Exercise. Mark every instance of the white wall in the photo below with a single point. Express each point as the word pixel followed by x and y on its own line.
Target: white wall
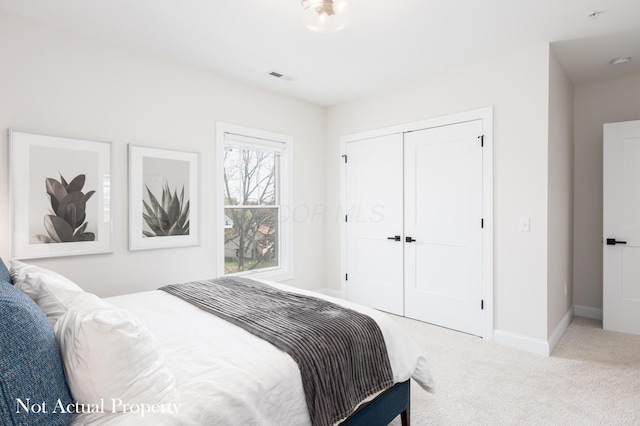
pixel 560 211
pixel 56 82
pixel 595 104
pixel 517 87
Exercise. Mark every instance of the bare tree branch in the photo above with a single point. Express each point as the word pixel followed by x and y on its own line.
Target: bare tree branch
pixel 253 175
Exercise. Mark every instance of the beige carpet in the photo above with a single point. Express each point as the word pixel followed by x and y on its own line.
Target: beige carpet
pixel 592 378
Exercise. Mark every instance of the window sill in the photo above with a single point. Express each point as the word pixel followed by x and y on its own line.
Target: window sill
pixel 275 274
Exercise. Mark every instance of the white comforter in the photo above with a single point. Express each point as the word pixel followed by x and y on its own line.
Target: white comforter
pixel 227 376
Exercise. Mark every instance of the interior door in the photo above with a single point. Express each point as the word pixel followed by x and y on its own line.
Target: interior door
pixel 374 223
pixel 443 226
pixel 621 239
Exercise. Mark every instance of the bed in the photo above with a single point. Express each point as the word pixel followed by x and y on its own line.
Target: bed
pixel 154 358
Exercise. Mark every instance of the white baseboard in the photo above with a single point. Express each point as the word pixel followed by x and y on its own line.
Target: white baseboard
pixel 521 342
pixel 587 312
pixel 560 329
pixel 531 344
pixel 330 292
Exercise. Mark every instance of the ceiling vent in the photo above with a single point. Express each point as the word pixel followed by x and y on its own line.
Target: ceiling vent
pixel 280 76
pixel 621 60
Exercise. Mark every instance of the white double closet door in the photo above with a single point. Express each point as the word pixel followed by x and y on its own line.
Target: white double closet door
pixel 414 225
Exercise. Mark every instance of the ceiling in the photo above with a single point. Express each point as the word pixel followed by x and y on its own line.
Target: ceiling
pixel 388 42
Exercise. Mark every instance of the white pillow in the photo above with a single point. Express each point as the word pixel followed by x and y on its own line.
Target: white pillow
pixel 108 354
pixel 53 293
pixel 24 277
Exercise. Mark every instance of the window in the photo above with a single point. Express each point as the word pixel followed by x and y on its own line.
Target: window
pixel 254 188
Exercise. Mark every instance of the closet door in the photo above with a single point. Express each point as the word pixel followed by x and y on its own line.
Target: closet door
pixel 374 223
pixel 443 213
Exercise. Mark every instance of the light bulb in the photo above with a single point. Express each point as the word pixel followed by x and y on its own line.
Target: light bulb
pixel 325 16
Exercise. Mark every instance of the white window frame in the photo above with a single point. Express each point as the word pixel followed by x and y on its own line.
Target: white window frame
pixel 248 136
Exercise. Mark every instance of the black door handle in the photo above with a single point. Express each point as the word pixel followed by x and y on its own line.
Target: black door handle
pixel 409 240
pixel 394 238
pixel 613 242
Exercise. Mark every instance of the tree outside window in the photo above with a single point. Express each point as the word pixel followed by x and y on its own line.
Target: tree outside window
pixel 252 210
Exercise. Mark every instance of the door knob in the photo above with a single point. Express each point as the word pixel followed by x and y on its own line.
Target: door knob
pixel 613 242
pixel 394 238
pixel 409 240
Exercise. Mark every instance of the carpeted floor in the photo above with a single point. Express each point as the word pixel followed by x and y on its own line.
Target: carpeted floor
pixel 591 378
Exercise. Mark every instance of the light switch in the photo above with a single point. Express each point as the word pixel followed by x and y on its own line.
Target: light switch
pixel 525 224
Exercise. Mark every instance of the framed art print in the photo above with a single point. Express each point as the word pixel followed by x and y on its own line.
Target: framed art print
pixel 60 195
pixel 163 198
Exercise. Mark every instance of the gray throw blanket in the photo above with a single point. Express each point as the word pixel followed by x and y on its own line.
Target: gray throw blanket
pixel 341 353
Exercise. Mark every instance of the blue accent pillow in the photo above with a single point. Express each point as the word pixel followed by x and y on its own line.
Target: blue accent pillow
pixel 4 273
pixel 33 390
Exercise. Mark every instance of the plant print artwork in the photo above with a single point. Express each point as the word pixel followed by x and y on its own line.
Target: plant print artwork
pixel 168 217
pixel 66 219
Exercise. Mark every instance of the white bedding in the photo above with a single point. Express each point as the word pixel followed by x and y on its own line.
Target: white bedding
pixel 227 376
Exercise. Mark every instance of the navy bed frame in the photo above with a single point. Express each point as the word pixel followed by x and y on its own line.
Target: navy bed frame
pixel 384 408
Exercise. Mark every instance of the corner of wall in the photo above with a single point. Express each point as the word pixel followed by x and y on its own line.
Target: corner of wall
pixel 559 194
pixel 533 345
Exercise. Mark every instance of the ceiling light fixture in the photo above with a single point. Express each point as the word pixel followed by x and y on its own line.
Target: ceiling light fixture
pixel 325 16
pixel 620 60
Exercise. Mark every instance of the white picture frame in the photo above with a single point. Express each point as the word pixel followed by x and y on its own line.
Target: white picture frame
pixel 154 172
pixel 60 195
